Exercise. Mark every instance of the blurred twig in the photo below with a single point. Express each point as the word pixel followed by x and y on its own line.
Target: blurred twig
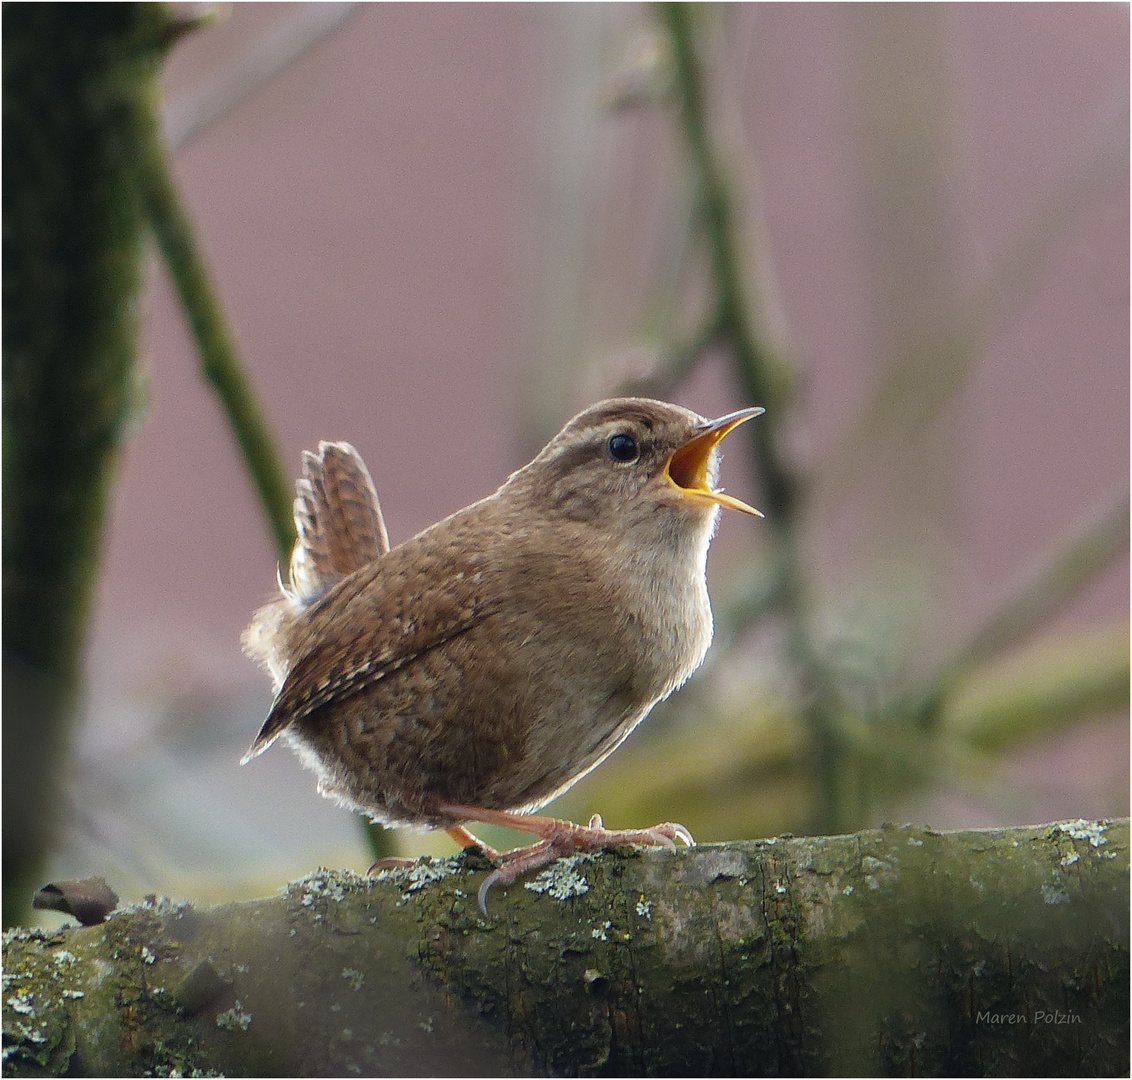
pixel 222 368
pixel 754 360
pixel 184 119
pixel 1056 580
pixel 220 362
pixel 187 115
pixel 758 370
pixel 936 364
pixel 839 729
pixel 1050 685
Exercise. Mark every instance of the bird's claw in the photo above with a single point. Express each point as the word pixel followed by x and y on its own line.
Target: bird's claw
pixel 494 878
pixel 667 833
pixel 561 838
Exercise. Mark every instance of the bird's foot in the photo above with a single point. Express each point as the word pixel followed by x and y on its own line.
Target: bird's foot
pixel 557 838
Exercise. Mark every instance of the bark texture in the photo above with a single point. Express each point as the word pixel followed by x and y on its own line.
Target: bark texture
pixel 80 93
pixel 894 952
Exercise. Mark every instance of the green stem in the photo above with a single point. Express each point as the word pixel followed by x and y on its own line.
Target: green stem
pixel 220 362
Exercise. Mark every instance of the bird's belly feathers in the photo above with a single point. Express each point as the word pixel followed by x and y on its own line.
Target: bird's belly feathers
pixel 499 720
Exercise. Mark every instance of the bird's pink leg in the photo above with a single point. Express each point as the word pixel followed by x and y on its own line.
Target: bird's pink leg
pixel 556 839
pixel 468 839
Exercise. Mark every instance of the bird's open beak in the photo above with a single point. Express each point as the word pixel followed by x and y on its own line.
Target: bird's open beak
pixel 687 468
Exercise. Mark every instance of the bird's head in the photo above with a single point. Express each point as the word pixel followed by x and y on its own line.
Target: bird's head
pixel 627 460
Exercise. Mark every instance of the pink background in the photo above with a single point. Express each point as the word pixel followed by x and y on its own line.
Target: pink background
pixel 378 219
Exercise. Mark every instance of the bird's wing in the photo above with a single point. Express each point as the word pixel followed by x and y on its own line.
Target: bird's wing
pixel 338 520
pixel 378 620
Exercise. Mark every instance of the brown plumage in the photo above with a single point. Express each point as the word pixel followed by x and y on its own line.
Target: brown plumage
pixel 482 667
pixel 338 520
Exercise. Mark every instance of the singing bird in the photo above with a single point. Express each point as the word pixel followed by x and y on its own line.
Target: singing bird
pixel 478 670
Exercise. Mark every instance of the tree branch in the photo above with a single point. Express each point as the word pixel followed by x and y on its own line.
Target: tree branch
pixel 889 952
pixel 79 89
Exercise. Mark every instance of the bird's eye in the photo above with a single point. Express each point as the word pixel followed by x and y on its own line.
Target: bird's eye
pixel 623 447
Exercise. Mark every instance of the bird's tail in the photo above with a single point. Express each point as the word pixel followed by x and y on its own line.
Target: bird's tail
pixel 340 529
pixel 338 519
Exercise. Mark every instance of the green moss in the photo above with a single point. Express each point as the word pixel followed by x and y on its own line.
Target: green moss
pixel 80 94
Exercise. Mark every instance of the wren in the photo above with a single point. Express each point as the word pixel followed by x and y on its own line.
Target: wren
pixel 481 668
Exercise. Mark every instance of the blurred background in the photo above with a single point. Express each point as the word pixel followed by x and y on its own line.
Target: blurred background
pixel 440 230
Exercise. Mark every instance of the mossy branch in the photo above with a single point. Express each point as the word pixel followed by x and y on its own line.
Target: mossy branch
pixel 80 90
pixel 891 952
